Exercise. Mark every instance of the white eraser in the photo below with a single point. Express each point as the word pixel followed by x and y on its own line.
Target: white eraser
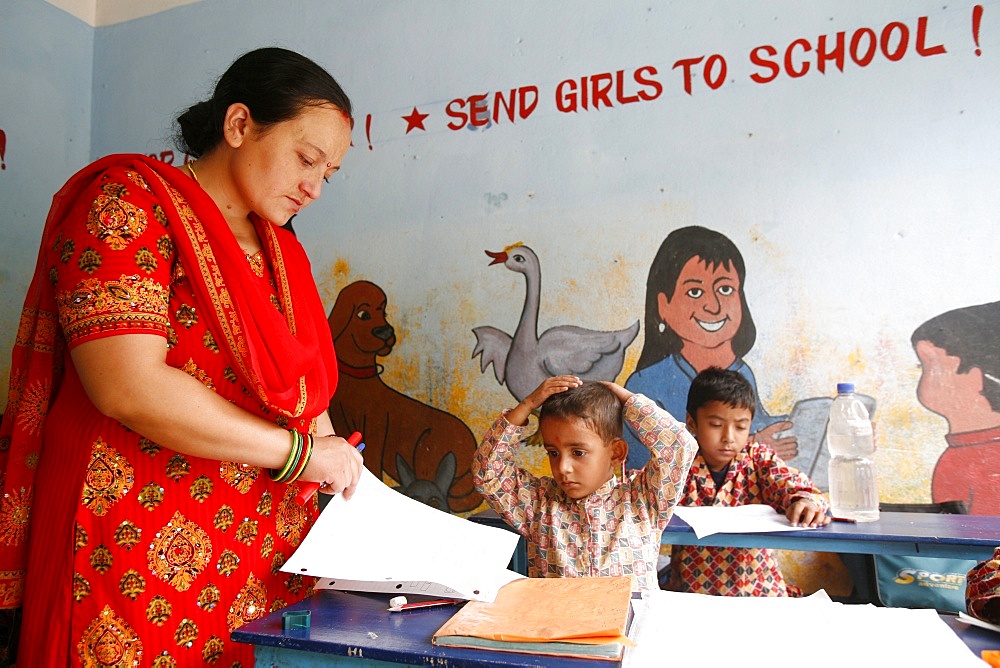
pixel 397 601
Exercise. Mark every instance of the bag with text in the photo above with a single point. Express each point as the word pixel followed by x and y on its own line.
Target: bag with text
pixel 922 582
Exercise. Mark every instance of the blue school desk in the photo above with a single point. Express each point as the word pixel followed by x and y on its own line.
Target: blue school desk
pixel 924 534
pixel 975 638
pixel 914 534
pixel 354 628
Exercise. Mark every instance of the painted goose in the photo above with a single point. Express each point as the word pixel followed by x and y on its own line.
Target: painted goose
pixel 523 361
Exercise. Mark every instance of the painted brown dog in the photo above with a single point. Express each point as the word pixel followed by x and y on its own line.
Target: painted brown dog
pixel 394 427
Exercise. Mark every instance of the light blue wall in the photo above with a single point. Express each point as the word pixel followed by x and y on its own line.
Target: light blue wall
pixel 864 201
pixel 45 96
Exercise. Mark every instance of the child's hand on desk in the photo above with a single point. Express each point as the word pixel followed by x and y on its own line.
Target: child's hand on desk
pixel 806 513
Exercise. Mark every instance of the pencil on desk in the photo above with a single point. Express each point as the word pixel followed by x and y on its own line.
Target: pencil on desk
pixel 844 519
pixel 399 603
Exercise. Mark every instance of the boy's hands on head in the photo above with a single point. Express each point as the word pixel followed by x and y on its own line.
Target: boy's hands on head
pixel 549 386
pixel 620 392
pixel 806 513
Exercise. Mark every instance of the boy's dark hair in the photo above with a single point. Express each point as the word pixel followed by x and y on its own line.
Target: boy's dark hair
pixel 594 403
pixel 725 385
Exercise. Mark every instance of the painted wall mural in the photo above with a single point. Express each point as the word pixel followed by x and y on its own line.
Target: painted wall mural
pixel 697 315
pixel 828 160
pixel 524 360
pixel 960 381
pixel 424 451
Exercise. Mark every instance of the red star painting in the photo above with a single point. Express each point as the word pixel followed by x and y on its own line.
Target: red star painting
pixel 415 120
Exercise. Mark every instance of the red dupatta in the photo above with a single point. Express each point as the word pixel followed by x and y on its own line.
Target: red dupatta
pixel 285 359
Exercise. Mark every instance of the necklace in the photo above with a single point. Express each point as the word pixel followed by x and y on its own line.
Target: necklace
pixel 256 261
pixel 191 169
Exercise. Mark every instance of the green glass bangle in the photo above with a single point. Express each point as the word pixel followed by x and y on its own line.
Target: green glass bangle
pixel 293 457
pixel 307 451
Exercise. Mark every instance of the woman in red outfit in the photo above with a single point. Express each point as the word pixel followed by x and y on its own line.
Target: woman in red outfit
pixel 169 386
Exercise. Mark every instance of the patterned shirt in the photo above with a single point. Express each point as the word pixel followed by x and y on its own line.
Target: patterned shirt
pixel 614 531
pixel 982 589
pixel 756 475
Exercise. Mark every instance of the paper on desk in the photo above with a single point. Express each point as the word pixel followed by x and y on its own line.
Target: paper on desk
pixel 830 635
pixel 975 621
pixel 753 518
pixel 381 540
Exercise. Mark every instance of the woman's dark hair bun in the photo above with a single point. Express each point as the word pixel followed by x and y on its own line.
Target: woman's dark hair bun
pixel 198 130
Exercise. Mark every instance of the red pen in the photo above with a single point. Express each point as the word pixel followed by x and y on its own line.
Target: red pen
pixel 310 488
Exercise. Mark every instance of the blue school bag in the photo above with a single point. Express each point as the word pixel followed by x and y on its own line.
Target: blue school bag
pixel 922 582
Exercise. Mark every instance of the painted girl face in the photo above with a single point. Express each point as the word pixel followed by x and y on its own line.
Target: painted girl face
pixel 706 309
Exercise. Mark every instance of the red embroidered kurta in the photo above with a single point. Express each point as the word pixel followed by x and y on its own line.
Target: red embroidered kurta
pixel 140 555
pixel 756 475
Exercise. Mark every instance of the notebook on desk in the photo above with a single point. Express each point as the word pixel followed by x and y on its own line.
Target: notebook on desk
pixel 573 617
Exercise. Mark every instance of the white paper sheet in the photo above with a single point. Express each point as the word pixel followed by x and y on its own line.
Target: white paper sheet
pixel 688 629
pixel 753 518
pixel 381 540
pixel 975 621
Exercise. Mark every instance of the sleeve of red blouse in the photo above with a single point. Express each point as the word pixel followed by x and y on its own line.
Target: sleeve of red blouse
pixel 781 484
pixel 112 260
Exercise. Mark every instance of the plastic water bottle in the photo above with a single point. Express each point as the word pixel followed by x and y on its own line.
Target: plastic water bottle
pixel 853 484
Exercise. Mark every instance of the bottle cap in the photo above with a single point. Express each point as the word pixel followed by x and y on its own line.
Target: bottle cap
pixel 843 388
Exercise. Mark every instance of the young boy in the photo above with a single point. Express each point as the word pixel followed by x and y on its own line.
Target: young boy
pixel 582 521
pixel 732 470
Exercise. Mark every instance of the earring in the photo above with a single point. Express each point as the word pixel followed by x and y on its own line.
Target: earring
pixel 662 327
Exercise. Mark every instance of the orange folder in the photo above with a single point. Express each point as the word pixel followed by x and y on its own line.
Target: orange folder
pixel 530 612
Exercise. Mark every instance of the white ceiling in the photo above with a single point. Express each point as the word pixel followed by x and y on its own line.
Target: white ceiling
pixel 107 12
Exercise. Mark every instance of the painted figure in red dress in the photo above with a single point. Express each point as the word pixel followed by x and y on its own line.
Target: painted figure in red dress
pixel 960 381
